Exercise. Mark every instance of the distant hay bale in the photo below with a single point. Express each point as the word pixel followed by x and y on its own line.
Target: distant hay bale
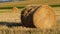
pixel 15 9
pixel 42 17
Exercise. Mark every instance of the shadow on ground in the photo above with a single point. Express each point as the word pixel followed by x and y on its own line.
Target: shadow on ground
pixel 10 24
pixel 13 24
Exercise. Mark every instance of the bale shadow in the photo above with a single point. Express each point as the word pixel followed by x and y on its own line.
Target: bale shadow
pixel 10 24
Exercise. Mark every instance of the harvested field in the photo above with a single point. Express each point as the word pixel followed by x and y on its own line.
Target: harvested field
pixel 9 17
pixel 4 29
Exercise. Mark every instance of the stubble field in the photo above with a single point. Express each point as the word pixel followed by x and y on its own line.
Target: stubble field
pixel 11 24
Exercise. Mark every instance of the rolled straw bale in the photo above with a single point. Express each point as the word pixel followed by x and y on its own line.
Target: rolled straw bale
pixel 42 17
pixel 15 9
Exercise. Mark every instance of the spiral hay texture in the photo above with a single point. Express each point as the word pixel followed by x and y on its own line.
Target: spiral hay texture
pixel 42 17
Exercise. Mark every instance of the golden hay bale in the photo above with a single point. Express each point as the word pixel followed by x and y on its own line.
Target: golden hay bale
pixel 42 17
pixel 15 9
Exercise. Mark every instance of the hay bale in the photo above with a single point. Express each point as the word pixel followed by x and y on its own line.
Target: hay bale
pixel 15 9
pixel 26 16
pixel 45 18
pixel 42 17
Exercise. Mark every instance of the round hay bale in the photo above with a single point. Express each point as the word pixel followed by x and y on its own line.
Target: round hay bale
pixel 42 17
pixel 15 9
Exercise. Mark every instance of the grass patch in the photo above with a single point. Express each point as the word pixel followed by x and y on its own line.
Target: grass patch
pixel 55 5
pixel 8 7
pixel 20 7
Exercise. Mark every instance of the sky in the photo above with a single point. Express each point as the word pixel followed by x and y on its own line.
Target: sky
pixel 4 0
pixel 10 0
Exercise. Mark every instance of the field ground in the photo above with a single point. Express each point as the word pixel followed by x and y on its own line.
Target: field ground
pixel 4 29
pixel 8 18
pixel 23 3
